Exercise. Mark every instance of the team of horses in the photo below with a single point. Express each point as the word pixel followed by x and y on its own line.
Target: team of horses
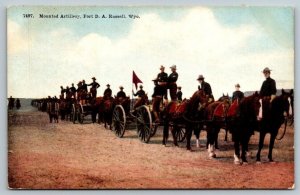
pixel 239 117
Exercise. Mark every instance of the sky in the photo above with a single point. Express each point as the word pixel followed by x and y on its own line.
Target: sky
pixel 227 45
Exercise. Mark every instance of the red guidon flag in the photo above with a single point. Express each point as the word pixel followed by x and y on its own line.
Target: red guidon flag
pixel 135 79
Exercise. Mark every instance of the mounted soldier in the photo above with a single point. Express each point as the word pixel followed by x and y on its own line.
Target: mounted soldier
pixel 73 91
pixel 206 88
pixel 237 94
pixel 179 94
pixel 140 93
pixel 172 83
pixel 121 94
pixel 94 87
pixel 267 93
pixel 62 92
pixel 107 93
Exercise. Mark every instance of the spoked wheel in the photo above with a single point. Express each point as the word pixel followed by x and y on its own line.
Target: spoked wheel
pixel 119 121
pixel 181 134
pixel 80 114
pixel 154 129
pixel 282 130
pixel 73 114
pixel 144 124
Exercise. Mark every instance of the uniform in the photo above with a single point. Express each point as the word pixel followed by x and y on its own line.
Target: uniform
pixel 179 95
pixel 206 88
pixel 172 85
pixel 121 94
pixel 107 93
pixel 162 79
pixel 237 95
pixel 158 93
pixel 140 93
pixel 93 89
pixel 268 87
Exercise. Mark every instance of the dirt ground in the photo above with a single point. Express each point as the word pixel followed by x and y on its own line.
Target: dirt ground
pixel 87 156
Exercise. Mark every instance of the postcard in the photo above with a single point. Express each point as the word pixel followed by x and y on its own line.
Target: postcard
pixel 150 97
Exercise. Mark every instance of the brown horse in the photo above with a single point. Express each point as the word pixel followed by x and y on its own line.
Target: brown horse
pixel 185 113
pixel 241 122
pixel 274 114
pixel 105 111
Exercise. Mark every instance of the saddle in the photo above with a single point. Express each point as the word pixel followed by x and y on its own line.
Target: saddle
pixel 232 111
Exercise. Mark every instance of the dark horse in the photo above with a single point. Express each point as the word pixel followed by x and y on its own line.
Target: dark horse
pixel 273 117
pixel 241 122
pixel 184 113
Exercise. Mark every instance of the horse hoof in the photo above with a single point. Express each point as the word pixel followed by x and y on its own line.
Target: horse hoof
pixel 189 148
pixel 245 163
pixel 237 162
pixel 258 162
pixel 212 155
pixel 272 161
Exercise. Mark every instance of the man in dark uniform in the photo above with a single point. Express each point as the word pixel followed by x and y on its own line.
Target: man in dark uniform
pixel 79 90
pixel 267 92
pixel 73 91
pixel 268 88
pixel 172 83
pixel 84 86
pixel 62 92
pixel 206 88
pixel 162 79
pixel 179 94
pixel 121 93
pixel 140 93
pixel 237 94
pixel 107 92
pixel 156 99
pixel 68 93
pixel 94 87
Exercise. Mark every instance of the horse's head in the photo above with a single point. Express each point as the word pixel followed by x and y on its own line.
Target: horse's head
pixel 197 102
pixel 225 99
pixel 281 103
pixel 249 106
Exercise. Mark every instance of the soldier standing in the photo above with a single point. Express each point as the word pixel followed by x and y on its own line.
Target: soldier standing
pixel 121 94
pixel 140 93
pixel 162 79
pixel 172 83
pixel 156 99
pixel 94 87
pixel 73 90
pixel 62 92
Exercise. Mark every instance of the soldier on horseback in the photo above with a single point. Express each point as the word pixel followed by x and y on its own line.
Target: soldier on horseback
pixel 267 92
pixel 179 94
pixel 237 94
pixel 107 92
pixel 172 83
pixel 94 87
pixel 62 92
pixel 73 91
pixel 121 94
pixel 206 88
pixel 140 93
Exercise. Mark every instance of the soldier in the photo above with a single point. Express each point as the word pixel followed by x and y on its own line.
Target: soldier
pixel 94 87
pixel 68 92
pixel 62 92
pixel 73 91
pixel 268 88
pixel 172 83
pixel 18 104
pixel 84 87
pixel 79 90
pixel 179 94
pixel 107 92
pixel 140 93
pixel 206 88
pixel 156 99
pixel 267 92
pixel 162 79
pixel 121 94
pixel 237 94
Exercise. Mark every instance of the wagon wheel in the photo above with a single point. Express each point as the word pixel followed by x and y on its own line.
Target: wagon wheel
pixel 282 130
pixel 181 134
pixel 154 129
pixel 80 114
pixel 73 114
pixel 144 123
pixel 119 121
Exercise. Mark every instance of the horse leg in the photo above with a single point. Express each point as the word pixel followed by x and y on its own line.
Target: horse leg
pixel 260 145
pixel 165 132
pixel 197 134
pixel 271 145
pixel 188 136
pixel 211 142
pixel 216 138
pixel 174 134
pixel 244 148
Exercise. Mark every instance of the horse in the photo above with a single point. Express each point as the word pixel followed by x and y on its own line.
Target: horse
pixel 274 114
pixel 241 122
pixel 105 111
pixel 184 113
pixel 53 110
